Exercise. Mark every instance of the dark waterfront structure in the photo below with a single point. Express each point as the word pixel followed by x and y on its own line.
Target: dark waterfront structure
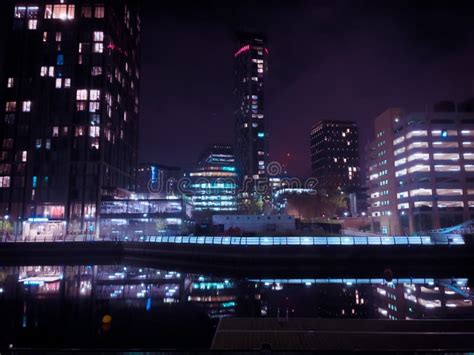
pixel 335 154
pixel 69 134
pixel 250 66
pixel 214 181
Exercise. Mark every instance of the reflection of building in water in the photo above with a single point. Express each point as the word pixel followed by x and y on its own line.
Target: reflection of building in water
pixel 219 298
pixel 131 286
pixel 144 289
pixel 411 301
pixel 304 298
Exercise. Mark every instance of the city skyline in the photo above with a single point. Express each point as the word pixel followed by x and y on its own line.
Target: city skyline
pixel 411 71
pixel 349 69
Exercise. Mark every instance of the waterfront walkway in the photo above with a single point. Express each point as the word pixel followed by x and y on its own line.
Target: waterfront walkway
pixel 345 240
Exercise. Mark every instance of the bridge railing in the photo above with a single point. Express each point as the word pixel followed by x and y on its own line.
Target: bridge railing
pixel 259 241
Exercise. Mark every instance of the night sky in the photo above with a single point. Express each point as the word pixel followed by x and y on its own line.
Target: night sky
pixel 346 60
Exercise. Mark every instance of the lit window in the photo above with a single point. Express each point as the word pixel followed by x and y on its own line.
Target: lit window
pixel 399 151
pixel 58 36
pixel 81 106
pixel 401 172
pixel 81 94
pixel 469 168
pixel 419 168
pixel 95 143
pixel 94 106
pixel 450 204
pixel 60 12
pixel 26 106
pixel 94 95
pixel 445 144
pixel 449 192
pixel 402 206
pixel 443 133
pixel 99 11
pixel 419 156
pixel 10 82
pixel 261 135
pixel 98 36
pixel 98 48
pixel 4 181
pixel 38 143
pixel 67 82
pixel 398 140
pixel 45 36
pixel 447 168
pixel 417 145
pixel 59 83
pixel 44 71
pixel 468 156
pixel 51 72
pixel 32 24
pixel 466 132
pixel 94 131
pixel 48 11
pixel 403 194
pixel 79 131
pixel 24 156
pixel 446 156
pixel 20 12
pixel 400 161
pixel 55 131
pixel 420 192
pixel 47 144
pixel 10 106
pixel 420 204
pixel 417 133
pixel 96 71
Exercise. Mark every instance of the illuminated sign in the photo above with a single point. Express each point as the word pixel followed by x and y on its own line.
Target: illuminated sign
pixel 38 219
pixel 241 50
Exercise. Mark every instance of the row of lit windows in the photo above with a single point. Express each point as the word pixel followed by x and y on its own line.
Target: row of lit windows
pixel 440 204
pixel 438 168
pixel 429 192
pixel 434 133
pixel 10 106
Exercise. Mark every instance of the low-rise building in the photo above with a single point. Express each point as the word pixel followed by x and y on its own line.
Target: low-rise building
pixel 254 223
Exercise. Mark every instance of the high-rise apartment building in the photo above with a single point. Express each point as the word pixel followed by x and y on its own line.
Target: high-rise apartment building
pixel 421 170
pixel 250 66
pixel 335 155
pixel 69 129
pixel 214 181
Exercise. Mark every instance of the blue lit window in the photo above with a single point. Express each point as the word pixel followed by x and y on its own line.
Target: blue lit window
pixel 261 135
pixel 444 133
pixel 35 181
pixel 60 59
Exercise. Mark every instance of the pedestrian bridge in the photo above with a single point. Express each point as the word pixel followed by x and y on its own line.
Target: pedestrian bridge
pixel 304 240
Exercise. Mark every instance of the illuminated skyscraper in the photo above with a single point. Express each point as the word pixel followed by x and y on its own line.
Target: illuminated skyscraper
pixel 335 154
pixel 250 66
pixel 421 170
pixel 69 129
pixel 214 180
